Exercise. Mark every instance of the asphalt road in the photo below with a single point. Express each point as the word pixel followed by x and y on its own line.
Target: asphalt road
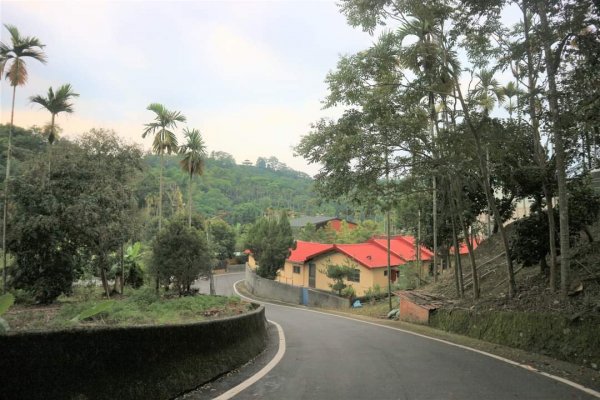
pixel 328 357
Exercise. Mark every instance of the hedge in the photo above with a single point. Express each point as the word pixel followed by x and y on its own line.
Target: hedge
pixel 143 362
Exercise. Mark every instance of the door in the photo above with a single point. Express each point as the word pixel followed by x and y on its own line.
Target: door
pixel 312 272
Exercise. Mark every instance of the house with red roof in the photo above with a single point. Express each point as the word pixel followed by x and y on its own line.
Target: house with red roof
pixel 307 264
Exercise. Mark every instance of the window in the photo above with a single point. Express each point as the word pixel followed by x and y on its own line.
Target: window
pixel 354 277
pixel 296 269
pixel 385 272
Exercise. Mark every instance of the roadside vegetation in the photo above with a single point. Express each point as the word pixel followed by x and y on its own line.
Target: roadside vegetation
pixel 86 308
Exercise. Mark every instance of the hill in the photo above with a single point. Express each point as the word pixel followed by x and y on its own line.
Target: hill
pixel 237 193
pixel 533 294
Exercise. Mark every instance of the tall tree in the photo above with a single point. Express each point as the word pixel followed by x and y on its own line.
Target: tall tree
pixel 55 103
pixel 165 140
pixel 194 155
pixel 12 58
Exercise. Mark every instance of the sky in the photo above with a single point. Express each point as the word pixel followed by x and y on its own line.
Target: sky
pixel 248 74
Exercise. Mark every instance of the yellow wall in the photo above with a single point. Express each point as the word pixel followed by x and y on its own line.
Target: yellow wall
pixel 286 274
pixel 251 262
pixel 368 277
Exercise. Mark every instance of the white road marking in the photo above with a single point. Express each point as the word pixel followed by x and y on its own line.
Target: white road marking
pixel 260 374
pixel 506 360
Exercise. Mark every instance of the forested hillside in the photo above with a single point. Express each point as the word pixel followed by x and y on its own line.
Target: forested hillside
pixel 236 193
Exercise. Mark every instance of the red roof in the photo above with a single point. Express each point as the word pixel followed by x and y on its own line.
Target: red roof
pixel 463 249
pixel 403 246
pixel 369 254
pixel 307 250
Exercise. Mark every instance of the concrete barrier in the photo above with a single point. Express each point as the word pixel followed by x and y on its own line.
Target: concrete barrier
pixel 573 340
pixel 269 289
pixel 142 362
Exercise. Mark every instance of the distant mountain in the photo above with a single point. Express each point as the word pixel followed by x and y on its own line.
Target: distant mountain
pixel 240 193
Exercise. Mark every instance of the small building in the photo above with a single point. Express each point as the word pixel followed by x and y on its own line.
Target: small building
pixel 416 306
pixel 321 222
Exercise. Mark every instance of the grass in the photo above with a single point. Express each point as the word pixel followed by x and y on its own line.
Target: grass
pixel 377 309
pixel 136 307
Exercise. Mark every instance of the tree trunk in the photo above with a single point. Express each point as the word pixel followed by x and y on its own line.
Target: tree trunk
pixel 457 269
pixel 190 202
pixel 539 151
pixel 160 191
pixel 559 150
pixel 211 277
pixel 512 287
pixel 475 277
pixel 588 233
pixel 389 268
pixel 104 280
pixel 6 179
pixel 418 247
pixel 122 268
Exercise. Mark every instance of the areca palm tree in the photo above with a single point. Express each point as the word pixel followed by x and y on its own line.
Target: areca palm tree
pixel 12 59
pixel 55 103
pixel 165 140
pixel 194 154
pixel 512 90
pixel 488 91
pixel 425 57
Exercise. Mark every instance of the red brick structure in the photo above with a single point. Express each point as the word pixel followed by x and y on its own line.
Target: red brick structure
pixel 416 306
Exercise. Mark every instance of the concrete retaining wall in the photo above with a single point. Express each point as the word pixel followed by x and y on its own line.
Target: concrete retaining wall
pixel 144 362
pixel 557 336
pixel 269 289
pixel 326 300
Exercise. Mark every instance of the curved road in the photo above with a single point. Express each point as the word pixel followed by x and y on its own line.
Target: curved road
pixel 329 357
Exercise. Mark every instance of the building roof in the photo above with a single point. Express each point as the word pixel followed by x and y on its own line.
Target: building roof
pixel 463 249
pixel 403 246
pixel 307 250
pixel 369 254
pixel 302 221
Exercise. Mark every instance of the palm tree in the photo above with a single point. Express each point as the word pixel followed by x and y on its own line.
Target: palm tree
pixel 426 58
pixel 164 140
pixel 512 90
pixel 55 103
pixel 487 91
pixel 12 58
pixel 194 153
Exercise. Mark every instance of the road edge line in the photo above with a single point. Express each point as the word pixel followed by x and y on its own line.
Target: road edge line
pixel 264 371
pixel 497 357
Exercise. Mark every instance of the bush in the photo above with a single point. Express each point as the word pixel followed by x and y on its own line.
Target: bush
pixel 179 254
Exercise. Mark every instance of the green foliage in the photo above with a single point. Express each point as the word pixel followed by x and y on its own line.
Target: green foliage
pixel 373 293
pixel 237 193
pixel 222 239
pixel 77 215
pixel 531 243
pixel 270 239
pixel 97 309
pixel 179 254
pixel 348 291
pixel 361 233
pixel 338 273
pixel 6 301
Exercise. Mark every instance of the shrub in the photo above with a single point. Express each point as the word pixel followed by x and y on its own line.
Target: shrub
pixel 179 254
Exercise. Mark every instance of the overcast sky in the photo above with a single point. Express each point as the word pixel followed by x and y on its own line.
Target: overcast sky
pixel 248 74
